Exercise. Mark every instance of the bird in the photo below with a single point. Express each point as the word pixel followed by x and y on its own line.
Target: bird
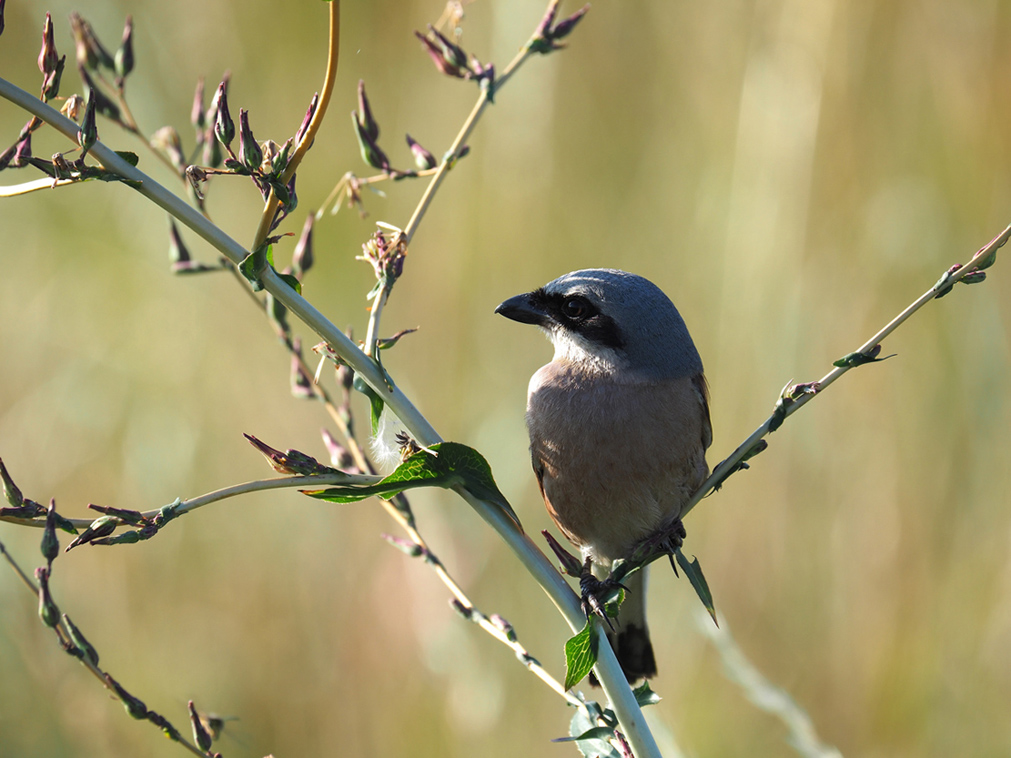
pixel 619 426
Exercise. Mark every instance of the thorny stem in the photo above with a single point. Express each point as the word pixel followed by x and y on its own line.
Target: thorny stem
pixel 720 473
pixel 333 53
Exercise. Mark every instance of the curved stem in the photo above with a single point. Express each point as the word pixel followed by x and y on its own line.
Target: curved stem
pixel 333 54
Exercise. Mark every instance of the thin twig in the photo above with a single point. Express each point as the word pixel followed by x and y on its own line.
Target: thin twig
pixel 257 485
pixel 333 54
pixel 726 466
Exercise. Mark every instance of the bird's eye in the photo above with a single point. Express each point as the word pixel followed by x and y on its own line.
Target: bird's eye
pixel 576 308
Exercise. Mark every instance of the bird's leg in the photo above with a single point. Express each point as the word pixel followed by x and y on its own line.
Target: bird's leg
pixel 595 592
pixel 666 540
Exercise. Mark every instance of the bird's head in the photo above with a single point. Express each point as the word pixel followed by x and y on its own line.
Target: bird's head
pixel 610 321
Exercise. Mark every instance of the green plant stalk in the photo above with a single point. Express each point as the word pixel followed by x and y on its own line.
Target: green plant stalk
pixel 333 55
pixel 433 186
pixel 609 673
pixel 257 485
pixel 465 131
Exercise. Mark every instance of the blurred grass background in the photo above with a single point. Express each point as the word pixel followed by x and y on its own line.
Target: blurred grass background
pixel 792 173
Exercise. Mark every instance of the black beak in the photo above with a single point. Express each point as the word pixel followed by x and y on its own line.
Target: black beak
pixel 523 309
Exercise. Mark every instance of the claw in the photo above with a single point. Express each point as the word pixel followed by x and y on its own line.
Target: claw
pixel 590 587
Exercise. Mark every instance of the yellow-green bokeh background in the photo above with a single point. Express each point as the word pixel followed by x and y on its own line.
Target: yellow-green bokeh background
pixel 792 173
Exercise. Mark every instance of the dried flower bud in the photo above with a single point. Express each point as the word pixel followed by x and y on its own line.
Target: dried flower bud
pixel 179 254
pixel 48 611
pixel 973 277
pixel 366 121
pixel 439 59
pixel 306 119
pixel 339 455
pixel 99 528
pixel 290 203
pixel 197 115
pixel 249 150
pixel 503 625
pixel 133 705
pixel 212 156
pixel 50 63
pixel 50 542
pixel 453 54
pixel 167 140
pixel 422 158
pixel 51 83
pixel 301 383
pixel 87 650
pixel 22 152
pixel 72 107
pixel 372 154
pixel 124 55
pixel 224 127
pixel 548 33
pixel 200 735
pixel 48 56
pixel 90 52
pixel 88 135
pixel 408 547
pixel 302 258
pixel 564 28
pixel 544 27
pixel 279 160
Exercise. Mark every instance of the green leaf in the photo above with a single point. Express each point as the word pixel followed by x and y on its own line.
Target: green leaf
pixel 375 401
pixel 580 655
pixel 644 695
pixel 694 573
pixel 375 409
pixel 129 157
pixel 446 464
pixel 254 264
pixel 596 733
pixel 591 737
pixel 291 281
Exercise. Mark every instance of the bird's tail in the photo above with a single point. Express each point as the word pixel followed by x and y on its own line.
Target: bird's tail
pixel 630 639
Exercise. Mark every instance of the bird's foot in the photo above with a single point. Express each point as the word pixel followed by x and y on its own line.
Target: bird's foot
pixel 597 593
pixel 666 540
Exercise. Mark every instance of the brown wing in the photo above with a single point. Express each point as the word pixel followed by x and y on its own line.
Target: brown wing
pixel 702 387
